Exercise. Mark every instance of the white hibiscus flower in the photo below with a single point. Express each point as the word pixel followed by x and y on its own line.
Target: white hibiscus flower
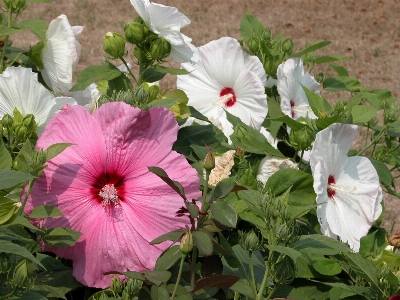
pixel 271 164
pixel 291 76
pixel 348 190
pixel 167 22
pixel 61 54
pixel 226 78
pixel 19 88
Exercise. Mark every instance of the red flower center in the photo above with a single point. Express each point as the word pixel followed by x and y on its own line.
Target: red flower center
pixel 292 107
pixel 330 190
pixel 229 93
pixel 108 189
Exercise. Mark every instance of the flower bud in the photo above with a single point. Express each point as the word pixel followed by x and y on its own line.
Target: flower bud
pixel 142 55
pixel 135 32
pixel 302 138
pixel 29 121
pixel 141 94
pixel 287 46
pixel 310 58
pixel 250 241
pixel 266 34
pixel 116 285
pixel 21 132
pixel 21 274
pixel 133 287
pixel 160 48
pixel 193 210
pixel 154 91
pixel 209 160
pixel 15 5
pixel 7 121
pixel 253 43
pixel 114 44
pixel 186 245
pixel 392 115
pixel 284 271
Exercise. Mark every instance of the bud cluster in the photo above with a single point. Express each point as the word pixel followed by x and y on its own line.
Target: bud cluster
pixel 15 6
pixel 19 128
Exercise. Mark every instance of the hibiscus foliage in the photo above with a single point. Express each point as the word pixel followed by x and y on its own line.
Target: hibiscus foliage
pixel 243 183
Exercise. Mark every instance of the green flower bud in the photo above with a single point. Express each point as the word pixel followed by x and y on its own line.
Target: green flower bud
pixel 250 241
pixel 114 44
pixel 135 32
pixel 22 272
pixel 29 121
pixel 154 92
pixel 302 138
pixel 142 55
pixel 160 48
pixel 21 132
pixel 193 210
pixel 266 34
pixel 392 115
pixel 116 285
pixel 309 58
pixel 133 286
pixel 141 94
pixel 186 245
pixel 15 5
pixel 287 46
pixel 284 271
pixel 7 121
pixel 254 44
pixel 270 65
pixel 209 160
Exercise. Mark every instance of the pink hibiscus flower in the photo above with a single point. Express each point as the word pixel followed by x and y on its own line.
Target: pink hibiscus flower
pixel 103 187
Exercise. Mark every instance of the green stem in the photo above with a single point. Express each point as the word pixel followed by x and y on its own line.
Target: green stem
pixel 129 70
pixel 272 292
pixel 253 278
pixel 15 59
pixel 3 53
pixel 204 206
pixel 27 195
pixel 179 277
pixel 193 268
pixel 264 282
pixel 374 141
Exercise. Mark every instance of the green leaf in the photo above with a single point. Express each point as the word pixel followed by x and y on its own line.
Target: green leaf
pixel 4 30
pixel 340 83
pixel 224 213
pixel 385 176
pixel 55 283
pixel 311 48
pixel 11 248
pixel 242 287
pixel 8 210
pixel 5 157
pixel 326 59
pixel 373 243
pixel 169 236
pixel 55 149
pixel 157 277
pixel 290 122
pixel 10 178
pixel 130 274
pixel 95 73
pixel 168 258
pixel 302 289
pixel 319 244
pixel 171 71
pixel 341 71
pixel 326 266
pixel 293 254
pixel 250 27
pixel 284 179
pixel 159 293
pixel 318 104
pixel 175 185
pixel 222 281
pixel 36 50
pixel 44 211
pixel 250 139
pixel 151 75
pixel 223 189
pixel 120 83
pixel 363 267
pixel 38 27
pixel 362 113
pixel 341 290
pixel 50 263
pixel 62 237
pixel 24 222
pixel 29 295
pixel 203 241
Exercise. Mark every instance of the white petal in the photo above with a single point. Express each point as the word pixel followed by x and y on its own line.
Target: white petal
pixel 270 138
pixel 87 97
pixel 166 18
pixel 141 7
pixel 184 53
pixel 254 64
pixel 270 164
pixel 57 60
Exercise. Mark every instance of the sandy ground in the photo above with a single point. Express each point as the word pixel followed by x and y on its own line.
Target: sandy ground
pixel 367 32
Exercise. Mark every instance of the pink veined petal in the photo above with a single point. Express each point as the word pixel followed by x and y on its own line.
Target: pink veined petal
pixel 57 61
pixel 333 144
pixel 251 100
pixel 141 7
pixel 223 60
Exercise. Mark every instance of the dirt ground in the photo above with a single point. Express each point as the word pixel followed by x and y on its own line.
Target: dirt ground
pixel 367 32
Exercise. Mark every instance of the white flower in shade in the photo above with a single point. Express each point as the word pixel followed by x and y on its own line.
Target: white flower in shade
pixel 226 78
pixel 271 164
pixel 348 190
pixel 223 167
pixel 61 54
pixel 166 22
pixel 291 76
pixel 88 97
pixel 19 88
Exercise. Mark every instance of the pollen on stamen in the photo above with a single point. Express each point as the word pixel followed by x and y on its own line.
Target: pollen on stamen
pixel 109 195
